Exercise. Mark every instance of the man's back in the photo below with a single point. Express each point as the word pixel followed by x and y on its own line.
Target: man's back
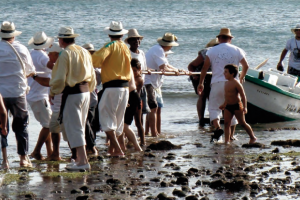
pixel 114 60
pixel 12 78
pixel 221 55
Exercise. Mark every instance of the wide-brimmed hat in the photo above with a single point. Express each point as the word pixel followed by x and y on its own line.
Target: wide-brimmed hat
pixel 89 47
pixel 66 32
pixel 296 28
pixel 115 28
pixel 226 32
pixel 169 39
pixel 133 33
pixel 40 41
pixel 212 43
pixel 8 30
pixel 54 48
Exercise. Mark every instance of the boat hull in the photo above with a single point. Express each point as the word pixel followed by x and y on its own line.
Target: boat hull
pixel 268 103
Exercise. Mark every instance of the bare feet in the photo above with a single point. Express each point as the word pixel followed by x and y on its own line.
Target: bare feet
pixel 37 156
pixel 93 151
pixel 5 165
pixel 252 140
pixel 233 138
pixel 25 162
pixel 155 135
pixel 120 154
pixel 53 158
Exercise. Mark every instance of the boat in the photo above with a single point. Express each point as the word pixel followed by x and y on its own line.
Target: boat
pixel 272 96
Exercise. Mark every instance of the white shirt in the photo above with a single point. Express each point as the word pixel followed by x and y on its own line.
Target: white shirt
pixel 221 55
pixel 293 45
pixel 13 82
pixel 38 92
pixel 142 58
pixel 155 57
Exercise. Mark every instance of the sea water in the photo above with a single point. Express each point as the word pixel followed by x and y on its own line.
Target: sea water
pixel 260 28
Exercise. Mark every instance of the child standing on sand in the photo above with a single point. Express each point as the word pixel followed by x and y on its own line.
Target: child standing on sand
pixel 233 105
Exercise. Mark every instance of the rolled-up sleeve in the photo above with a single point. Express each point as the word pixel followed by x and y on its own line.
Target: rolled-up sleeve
pixel 59 74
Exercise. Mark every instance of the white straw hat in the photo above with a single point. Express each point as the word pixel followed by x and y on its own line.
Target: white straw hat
pixel 66 32
pixel 212 43
pixel 296 28
pixel 169 39
pixel 115 28
pixel 8 30
pixel 40 41
pixel 89 47
pixel 54 48
pixel 133 33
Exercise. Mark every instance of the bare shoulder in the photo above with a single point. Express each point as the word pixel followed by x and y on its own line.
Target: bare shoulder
pixel 139 80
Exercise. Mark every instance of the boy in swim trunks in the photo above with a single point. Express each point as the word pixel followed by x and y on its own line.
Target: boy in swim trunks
pixel 233 105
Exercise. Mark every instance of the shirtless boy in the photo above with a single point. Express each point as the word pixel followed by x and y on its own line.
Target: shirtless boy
pixel 134 103
pixel 233 105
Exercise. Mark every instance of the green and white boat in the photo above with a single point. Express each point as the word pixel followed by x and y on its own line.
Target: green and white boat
pixel 272 96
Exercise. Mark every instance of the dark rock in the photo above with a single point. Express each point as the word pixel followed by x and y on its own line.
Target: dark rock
pixel 237 185
pixel 193 170
pixel 156 179
pixel 191 197
pixel 228 175
pixel 274 170
pixel 198 182
pixel 176 168
pixel 249 169
pixel 178 174
pixel 164 184
pixel 276 157
pixel 170 157
pixel 295 143
pixel 23 170
pixel 150 198
pixel 30 196
pixel 82 197
pixel 276 150
pixel 287 173
pixel 204 198
pixel 254 145
pixel 83 188
pixel 163 196
pixel 182 181
pixel 113 181
pixel 178 193
pixel 294 163
pixel 217 175
pixel 218 184
pixel 148 150
pixel 163 145
pixel 74 191
pixel 254 185
pixel 189 156
pixel 245 198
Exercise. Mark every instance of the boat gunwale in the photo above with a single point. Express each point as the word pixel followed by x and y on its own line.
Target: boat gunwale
pixel 267 85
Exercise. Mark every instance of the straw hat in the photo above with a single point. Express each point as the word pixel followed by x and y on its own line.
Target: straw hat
pixel 89 47
pixel 168 39
pixel 212 43
pixel 133 33
pixel 54 48
pixel 40 41
pixel 66 32
pixel 226 32
pixel 115 28
pixel 8 30
pixel 296 28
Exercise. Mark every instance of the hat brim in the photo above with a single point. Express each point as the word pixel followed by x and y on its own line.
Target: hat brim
pixel 10 35
pixel 293 30
pixel 126 40
pixel 69 36
pixel 225 35
pixel 168 44
pixel 43 46
pixel 109 32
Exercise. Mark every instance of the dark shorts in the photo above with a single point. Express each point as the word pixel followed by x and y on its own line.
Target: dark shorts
pixel 207 81
pixel 234 107
pixel 294 71
pixel 152 103
pixel 134 102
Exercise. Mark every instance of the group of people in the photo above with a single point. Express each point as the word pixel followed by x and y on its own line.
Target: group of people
pixel 60 88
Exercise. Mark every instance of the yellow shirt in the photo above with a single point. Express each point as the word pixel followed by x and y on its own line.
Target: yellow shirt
pixel 114 60
pixel 74 65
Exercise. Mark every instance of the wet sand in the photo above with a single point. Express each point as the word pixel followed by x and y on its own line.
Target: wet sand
pixel 197 170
